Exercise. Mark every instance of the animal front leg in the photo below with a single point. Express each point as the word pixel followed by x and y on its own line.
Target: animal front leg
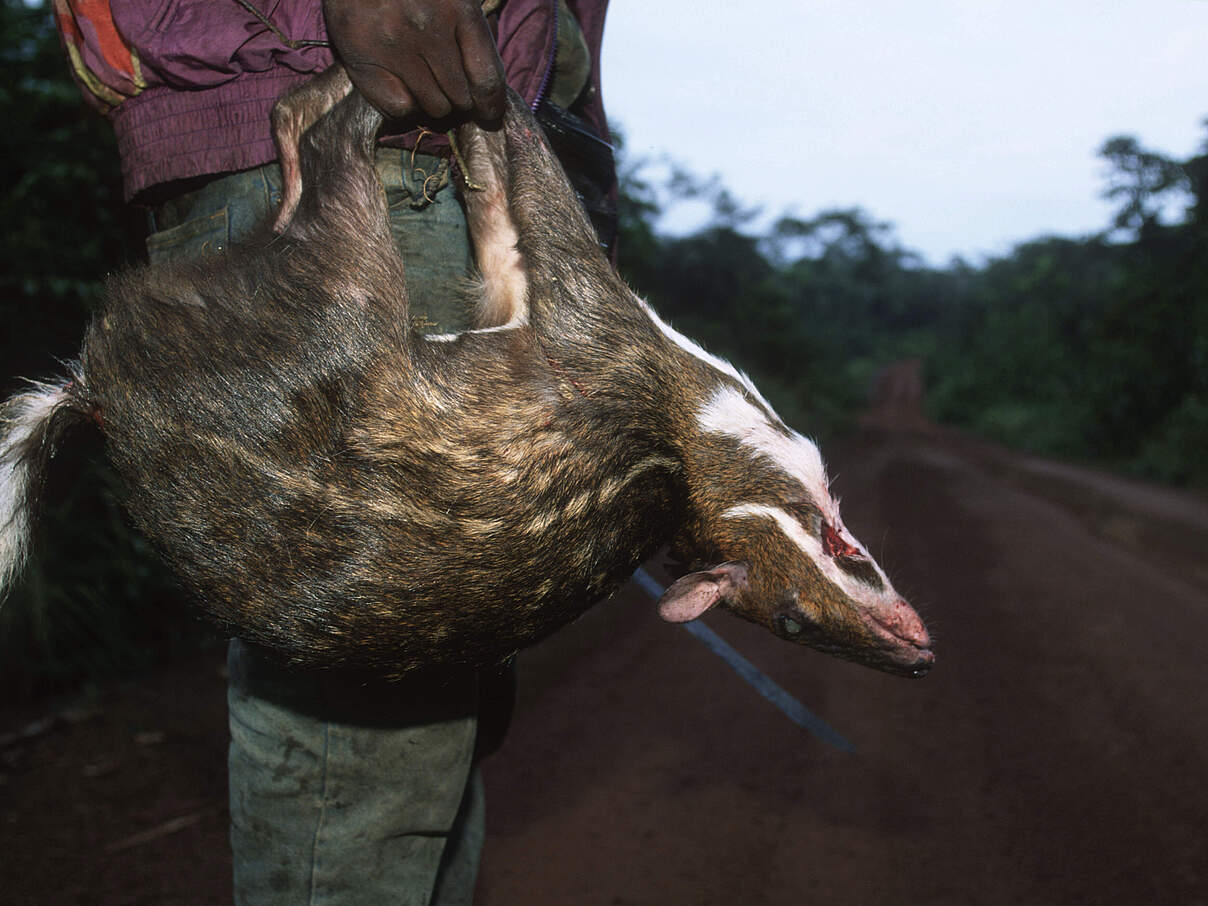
pixel 482 156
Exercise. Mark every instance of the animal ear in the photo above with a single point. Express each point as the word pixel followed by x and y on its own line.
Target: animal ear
pixel 693 594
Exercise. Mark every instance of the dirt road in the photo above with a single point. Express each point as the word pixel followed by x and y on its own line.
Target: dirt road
pixel 1058 753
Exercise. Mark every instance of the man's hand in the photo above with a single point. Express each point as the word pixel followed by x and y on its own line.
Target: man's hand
pixel 435 57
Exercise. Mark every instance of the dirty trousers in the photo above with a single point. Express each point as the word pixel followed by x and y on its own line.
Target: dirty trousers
pixel 347 791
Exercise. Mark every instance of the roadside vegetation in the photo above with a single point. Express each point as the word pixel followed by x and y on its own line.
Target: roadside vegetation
pixel 1092 348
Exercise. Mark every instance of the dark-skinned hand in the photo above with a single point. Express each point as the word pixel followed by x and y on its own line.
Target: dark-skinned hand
pixel 430 57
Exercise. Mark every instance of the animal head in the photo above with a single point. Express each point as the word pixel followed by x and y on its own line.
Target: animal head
pixel 776 548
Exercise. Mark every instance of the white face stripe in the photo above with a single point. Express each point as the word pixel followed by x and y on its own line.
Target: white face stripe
pixel 707 357
pixel 730 413
pixel 812 547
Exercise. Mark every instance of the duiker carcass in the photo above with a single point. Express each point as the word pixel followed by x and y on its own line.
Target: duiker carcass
pixel 345 491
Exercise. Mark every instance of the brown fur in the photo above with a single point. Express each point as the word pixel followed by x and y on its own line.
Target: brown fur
pixel 348 493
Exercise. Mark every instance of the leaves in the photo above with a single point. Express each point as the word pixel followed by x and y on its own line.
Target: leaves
pixel 1141 180
pixel 1094 349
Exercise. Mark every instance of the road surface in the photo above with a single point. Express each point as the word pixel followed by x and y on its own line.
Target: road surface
pixel 1058 752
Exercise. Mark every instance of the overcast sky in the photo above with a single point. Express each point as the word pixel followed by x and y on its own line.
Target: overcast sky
pixel 970 124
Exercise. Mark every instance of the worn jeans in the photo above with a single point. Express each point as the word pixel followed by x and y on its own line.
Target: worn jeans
pixel 347 791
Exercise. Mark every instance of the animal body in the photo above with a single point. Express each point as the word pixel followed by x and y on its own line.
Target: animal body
pixel 343 490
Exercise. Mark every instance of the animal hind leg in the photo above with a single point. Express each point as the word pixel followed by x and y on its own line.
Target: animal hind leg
pixel 292 115
pixel 340 217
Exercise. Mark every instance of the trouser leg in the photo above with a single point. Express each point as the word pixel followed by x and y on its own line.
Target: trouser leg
pixel 346 794
pixel 459 863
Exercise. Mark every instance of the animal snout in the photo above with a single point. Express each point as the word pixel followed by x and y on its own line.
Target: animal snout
pixel 901 620
pixel 904 637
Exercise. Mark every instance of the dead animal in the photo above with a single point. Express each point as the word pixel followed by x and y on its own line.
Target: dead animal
pixel 347 492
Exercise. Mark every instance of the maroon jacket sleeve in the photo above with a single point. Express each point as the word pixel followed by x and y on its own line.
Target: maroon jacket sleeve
pixel 188 84
pixel 194 44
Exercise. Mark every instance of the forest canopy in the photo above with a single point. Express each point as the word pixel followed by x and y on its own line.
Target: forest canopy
pixel 1090 348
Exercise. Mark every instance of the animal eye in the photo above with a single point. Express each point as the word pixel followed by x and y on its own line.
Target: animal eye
pixel 789 626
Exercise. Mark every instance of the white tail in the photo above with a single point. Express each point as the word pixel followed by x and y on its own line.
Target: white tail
pixel 28 430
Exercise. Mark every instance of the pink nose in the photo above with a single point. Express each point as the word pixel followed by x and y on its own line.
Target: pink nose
pixel 907 625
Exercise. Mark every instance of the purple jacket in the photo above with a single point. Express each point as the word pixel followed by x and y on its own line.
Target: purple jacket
pixel 188 84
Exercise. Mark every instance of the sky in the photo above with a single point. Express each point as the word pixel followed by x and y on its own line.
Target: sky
pixel 971 126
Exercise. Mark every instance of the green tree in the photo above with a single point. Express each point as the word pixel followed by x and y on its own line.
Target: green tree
pixel 1141 180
